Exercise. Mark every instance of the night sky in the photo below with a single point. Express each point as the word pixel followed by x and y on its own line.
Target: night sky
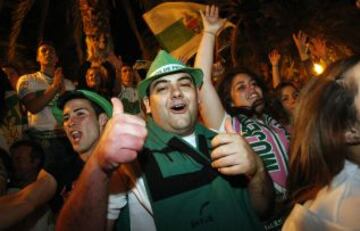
pixel 58 29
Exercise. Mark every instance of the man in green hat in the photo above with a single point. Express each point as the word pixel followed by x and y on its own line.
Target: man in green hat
pixel 185 178
pixel 84 115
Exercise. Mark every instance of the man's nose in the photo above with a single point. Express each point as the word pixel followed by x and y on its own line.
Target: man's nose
pixel 71 121
pixel 251 86
pixel 176 91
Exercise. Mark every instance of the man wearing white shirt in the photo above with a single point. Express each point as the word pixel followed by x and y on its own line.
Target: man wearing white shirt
pixel 39 92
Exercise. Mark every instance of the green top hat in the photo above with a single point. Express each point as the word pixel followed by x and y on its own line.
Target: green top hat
pixel 165 64
pixel 103 103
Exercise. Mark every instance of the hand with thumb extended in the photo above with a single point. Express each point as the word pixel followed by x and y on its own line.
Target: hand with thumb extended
pixel 121 140
pixel 228 126
pixel 231 154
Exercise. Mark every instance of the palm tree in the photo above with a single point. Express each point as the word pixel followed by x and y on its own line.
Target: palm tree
pixel 261 25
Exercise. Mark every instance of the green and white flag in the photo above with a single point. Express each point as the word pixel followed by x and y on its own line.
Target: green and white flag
pixel 177 26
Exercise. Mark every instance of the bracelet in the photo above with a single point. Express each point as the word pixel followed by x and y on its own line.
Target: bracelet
pixel 209 32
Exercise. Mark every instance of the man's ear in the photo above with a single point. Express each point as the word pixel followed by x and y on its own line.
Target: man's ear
pixel 103 119
pixel 37 56
pixel 146 103
pixel 352 135
pixel 198 95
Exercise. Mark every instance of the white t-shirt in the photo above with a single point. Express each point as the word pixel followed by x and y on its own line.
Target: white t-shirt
pixel 336 207
pixel 37 82
pixel 128 187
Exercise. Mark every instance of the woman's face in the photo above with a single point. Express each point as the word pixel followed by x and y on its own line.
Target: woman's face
pixel 352 135
pixel 92 78
pixel 288 99
pixel 245 92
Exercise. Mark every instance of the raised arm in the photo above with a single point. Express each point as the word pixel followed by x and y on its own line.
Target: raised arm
pixel 319 49
pixel 232 156
pixel 86 207
pixel 34 102
pixel 302 45
pixel 15 207
pixel 211 108
pixel 274 58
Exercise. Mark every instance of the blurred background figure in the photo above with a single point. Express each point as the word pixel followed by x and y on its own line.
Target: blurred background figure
pixel 284 103
pixel 96 79
pixel 324 175
pixel 5 171
pixel 27 158
pixel 13 119
pixel 126 89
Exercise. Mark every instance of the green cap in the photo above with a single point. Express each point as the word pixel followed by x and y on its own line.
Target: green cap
pixel 81 94
pixel 165 64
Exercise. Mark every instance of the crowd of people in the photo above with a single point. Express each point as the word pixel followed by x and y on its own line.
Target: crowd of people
pixel 173 150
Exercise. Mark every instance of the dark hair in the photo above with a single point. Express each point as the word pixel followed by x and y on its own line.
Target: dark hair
pixel 5 86
pixel 79 95
pixel 9 65
pixel 224 88
pixel 6 160
pixel 37 151
pixel 325 111
pixel 98 110
pixel 47 43
pixel 278 111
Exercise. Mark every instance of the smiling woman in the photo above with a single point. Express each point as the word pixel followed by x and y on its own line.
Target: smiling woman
pixel 242 98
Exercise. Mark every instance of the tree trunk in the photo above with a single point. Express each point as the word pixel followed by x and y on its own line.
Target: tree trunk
pixel 20 13
pixel 96 25
pixel 44 12
pixel 131 18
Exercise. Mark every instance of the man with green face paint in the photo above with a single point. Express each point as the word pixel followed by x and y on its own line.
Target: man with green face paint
pixel 185 178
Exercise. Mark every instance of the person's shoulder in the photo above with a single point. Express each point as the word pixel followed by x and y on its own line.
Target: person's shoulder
pixel 208 132
pixel 47 177
pixel 30 76
pixel 25 82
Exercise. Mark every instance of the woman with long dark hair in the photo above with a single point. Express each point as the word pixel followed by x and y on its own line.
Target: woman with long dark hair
pixel 241 99
pixel 284 104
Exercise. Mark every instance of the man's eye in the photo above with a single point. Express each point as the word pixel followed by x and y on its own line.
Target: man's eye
pixel 161 88
pixel 186 84
pixel 80 113
pixel 66 118
pixel 284 99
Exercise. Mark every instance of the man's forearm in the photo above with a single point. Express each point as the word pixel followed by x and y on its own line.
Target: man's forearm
pixel 37 103
pixel 262 192
pixel 16 206
pixel 86 207
pixel 12 210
